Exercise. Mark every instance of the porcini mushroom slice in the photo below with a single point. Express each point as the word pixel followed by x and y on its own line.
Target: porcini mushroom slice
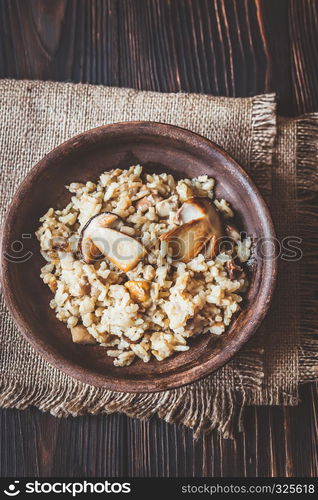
pixel 104 219
pixel 186 241
pixel 99 239
pixel 80 335
pixel 199 208
pixel 232 232
pixel 191 210
pixel 211 248
pixel 202 209
pixel 120 248
pixel 147 201
pixel 233 269
pixel 89 251
pixel 139 290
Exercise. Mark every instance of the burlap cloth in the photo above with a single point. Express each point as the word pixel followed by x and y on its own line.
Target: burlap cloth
pixel 281 156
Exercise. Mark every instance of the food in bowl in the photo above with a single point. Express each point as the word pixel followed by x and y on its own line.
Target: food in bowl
pixel 141 263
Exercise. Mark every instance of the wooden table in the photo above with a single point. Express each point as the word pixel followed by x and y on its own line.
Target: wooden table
pixel 219 47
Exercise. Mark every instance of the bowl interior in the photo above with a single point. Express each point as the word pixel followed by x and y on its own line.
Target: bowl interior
pixel 159 148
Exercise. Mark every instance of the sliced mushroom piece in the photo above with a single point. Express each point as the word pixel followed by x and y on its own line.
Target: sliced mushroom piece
pixel 191 210
pixel 166 206
pixel 120 248
pixel 139 290
pixel 148 201
pixel 197 322
pixel 104 219
pixel 80 335
pixel 232 232
pixel 202 208
pixel 199 208
pixel 201 225
pixel 163 208
pixel 84 286
pixel 98 240
pixel 233 269
pixel 90 252
pixel 143 204
pixel 211 248
pixel 184 191
pixel 186 241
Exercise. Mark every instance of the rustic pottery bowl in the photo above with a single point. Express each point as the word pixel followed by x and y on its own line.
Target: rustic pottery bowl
pixel 159 148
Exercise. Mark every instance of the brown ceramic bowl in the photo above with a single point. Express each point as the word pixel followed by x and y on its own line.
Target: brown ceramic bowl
pixel 159 148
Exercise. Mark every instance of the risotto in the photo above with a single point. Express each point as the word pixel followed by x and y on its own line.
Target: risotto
pixel 136 265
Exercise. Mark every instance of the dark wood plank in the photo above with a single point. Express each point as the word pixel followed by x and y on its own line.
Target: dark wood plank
pixel 33 443
pixel 303 25
pixel 276 442
pixel 220 47
pixel 96 447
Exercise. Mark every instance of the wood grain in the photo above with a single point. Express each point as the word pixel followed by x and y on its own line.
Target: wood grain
pixel 303 22
pixel 38 444
pixel 221 47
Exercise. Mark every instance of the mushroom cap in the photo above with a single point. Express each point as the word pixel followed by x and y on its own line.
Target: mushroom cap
pixel 199 208
pixel 90 252
pixel 80 335
pixel 120 248
pixel 99 239
pixel 201 225
pixel 186 241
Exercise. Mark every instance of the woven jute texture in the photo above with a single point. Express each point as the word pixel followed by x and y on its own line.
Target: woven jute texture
pixel 281 157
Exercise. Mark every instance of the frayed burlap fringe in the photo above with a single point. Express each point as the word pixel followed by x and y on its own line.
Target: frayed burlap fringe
pixel 307 181
pixel 202 406
pixel 264 123
pixel 263 140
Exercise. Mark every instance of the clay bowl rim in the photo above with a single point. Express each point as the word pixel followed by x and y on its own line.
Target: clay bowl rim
pixel 86 375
